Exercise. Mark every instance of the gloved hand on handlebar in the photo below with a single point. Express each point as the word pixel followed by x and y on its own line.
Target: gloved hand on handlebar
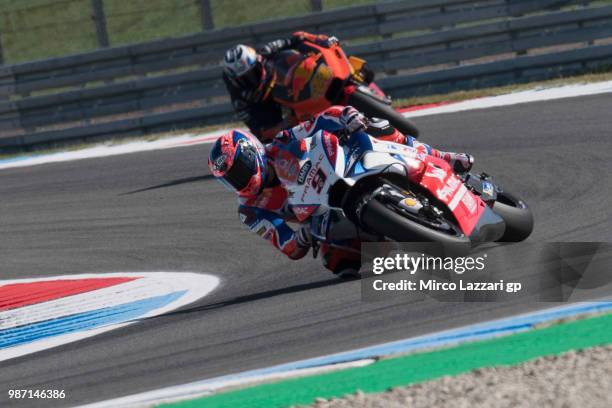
pixel 321 39
pixel 274 46
pixel 333 40
pixel 353 120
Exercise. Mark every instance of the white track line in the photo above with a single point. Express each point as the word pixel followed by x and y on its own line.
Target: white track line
pixel 532 95
pixel 105 150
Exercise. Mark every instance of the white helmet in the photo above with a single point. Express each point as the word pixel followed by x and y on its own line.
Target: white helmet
pixel 242 65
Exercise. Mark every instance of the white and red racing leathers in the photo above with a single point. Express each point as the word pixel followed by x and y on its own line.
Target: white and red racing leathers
pixel 268 213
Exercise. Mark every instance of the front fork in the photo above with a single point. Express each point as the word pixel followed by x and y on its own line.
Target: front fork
pixel 483 186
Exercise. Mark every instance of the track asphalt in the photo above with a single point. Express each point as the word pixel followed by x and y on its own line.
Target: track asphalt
pixel 161 210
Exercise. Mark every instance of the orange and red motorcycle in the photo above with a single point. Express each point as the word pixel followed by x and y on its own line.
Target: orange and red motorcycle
pixel 312 78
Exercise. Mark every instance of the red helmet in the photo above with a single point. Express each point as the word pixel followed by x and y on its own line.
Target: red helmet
pixel 238 160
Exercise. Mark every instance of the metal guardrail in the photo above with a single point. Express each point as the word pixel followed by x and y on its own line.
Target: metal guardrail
pixel 120 91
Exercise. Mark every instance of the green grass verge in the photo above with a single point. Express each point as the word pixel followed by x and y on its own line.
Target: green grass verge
pixel 146 20
pixel 37 29
pixel 400 371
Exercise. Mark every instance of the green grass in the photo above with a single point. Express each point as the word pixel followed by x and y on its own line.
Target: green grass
pixel 38 29
pixel 235 12
pixel 34 29
pixel 146 20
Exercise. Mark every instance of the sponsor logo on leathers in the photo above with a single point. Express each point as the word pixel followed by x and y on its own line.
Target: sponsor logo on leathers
pixel 303 172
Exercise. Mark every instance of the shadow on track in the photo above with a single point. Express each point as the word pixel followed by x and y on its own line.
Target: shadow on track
pixel 176 182
pixel 261 295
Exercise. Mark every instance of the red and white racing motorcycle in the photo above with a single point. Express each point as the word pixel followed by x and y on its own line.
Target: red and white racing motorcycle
pixel 370 184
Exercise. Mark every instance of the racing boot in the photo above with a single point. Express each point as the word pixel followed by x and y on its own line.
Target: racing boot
pixel 347 270
pixel 344 262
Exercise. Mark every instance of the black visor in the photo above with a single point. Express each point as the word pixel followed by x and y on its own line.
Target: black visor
pixel 252 78
pixel 243 168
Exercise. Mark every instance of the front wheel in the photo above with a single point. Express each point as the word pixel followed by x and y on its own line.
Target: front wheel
pixel 516 215
pixel 372 107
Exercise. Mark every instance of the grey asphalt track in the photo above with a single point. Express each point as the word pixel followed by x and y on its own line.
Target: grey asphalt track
pixel 161 211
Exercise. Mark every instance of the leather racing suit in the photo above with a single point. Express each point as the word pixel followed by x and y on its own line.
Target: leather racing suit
pixel 268 213
pixel 262 115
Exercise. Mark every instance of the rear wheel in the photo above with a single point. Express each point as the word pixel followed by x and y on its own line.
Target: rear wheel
pixel 372 107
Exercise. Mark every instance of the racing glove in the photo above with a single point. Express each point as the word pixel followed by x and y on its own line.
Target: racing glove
pixel 333 40
pixel 274 46
pixel 462 162
pixel 321 39
pixel 353 120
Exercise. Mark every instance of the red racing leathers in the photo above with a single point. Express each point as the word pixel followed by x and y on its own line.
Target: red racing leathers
pixel 268 213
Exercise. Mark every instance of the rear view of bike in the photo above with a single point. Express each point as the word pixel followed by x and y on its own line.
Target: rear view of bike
pixel 314 78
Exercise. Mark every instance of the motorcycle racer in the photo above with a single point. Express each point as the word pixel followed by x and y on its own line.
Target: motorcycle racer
pixel 247 74
pixel 244 165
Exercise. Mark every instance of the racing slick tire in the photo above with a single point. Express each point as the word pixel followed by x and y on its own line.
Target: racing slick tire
pixel 516 215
